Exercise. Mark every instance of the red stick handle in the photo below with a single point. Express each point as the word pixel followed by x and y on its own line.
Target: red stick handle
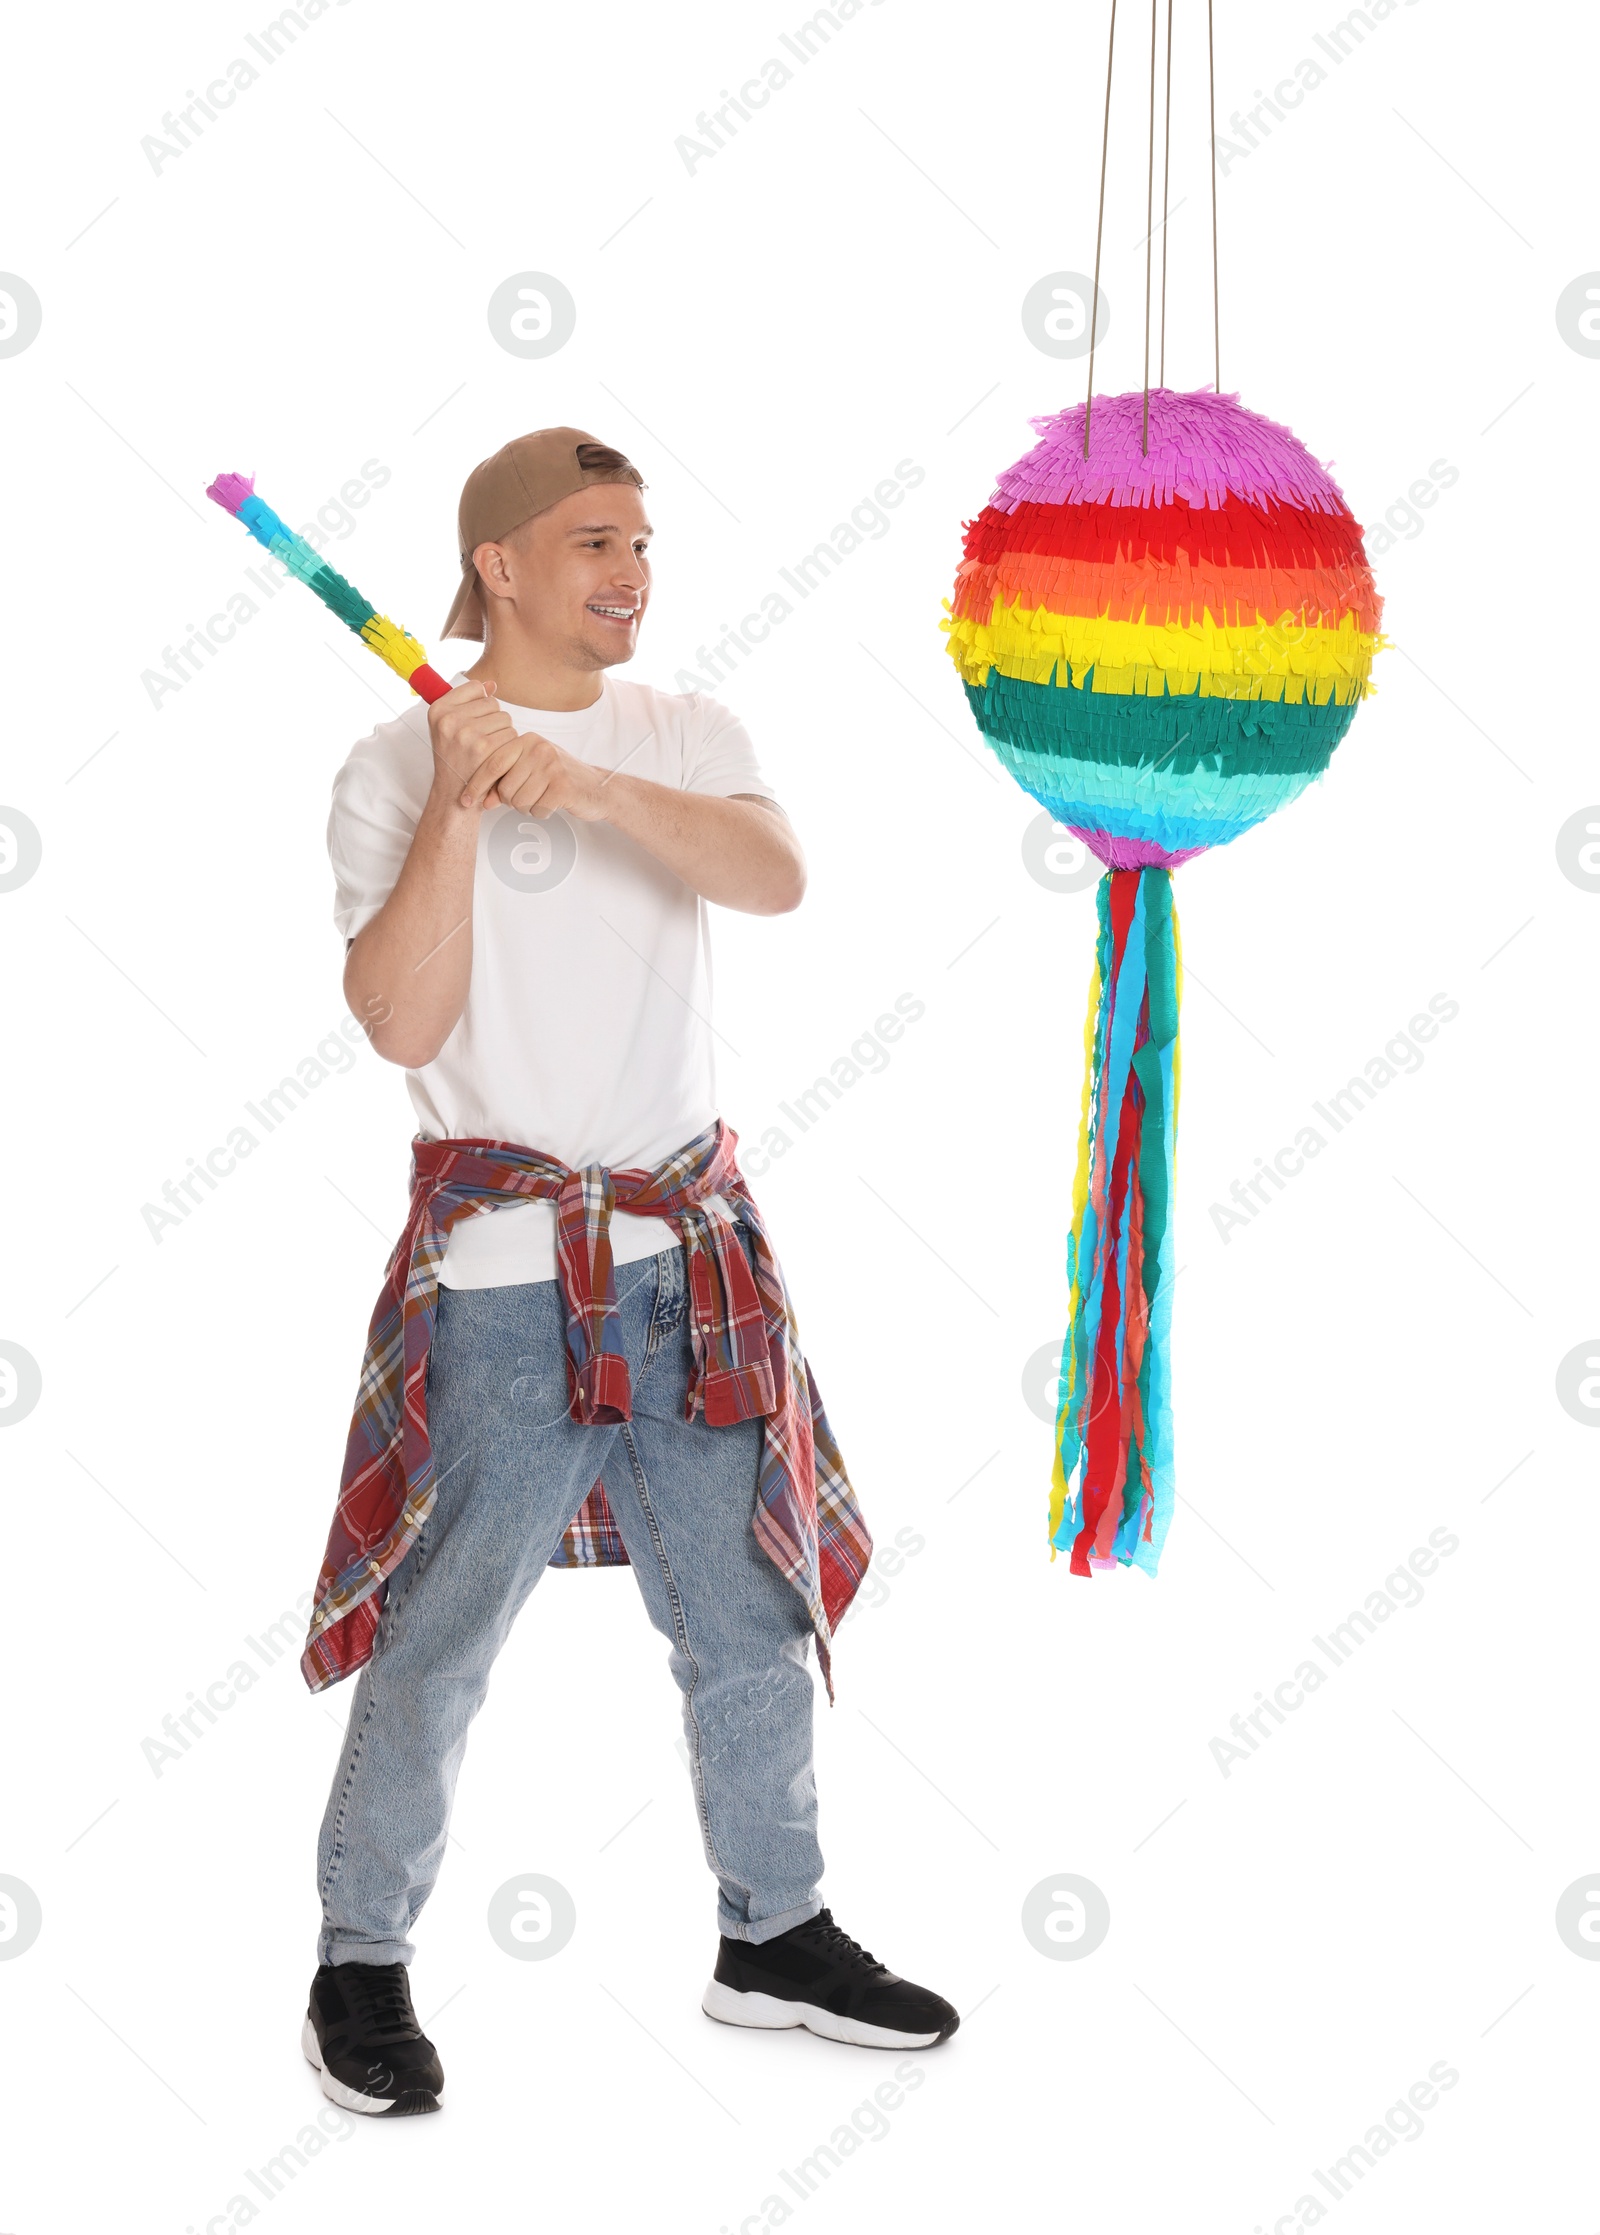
pixel 428 683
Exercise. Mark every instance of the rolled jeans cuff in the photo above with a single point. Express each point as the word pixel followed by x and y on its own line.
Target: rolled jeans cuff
pixel 765 1928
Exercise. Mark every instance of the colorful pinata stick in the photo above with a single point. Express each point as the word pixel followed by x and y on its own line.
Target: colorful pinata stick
pixel 235 493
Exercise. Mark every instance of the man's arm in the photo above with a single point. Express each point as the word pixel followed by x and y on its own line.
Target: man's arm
pixel 407 971
pixel 410 967
pixel 740 852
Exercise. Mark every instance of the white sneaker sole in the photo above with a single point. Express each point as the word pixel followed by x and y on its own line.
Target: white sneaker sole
pixel 348 2099
pixel 772 2013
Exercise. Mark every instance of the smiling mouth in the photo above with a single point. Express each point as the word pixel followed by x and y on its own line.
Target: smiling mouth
pixel 620 616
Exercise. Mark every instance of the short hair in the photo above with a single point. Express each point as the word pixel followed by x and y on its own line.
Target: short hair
pixel 599 458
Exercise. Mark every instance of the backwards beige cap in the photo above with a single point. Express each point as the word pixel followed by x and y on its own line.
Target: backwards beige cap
pixel 527 476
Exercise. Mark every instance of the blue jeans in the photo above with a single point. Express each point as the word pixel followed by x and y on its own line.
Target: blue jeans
pixel 512 1468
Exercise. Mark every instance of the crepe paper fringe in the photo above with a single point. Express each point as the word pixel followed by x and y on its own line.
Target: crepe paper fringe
pixel 1117 785
pixel 1164 648
pixel 1235 532
pixel 1118 852
pixel 1111 1489
pixel 235 492
pixel 1160 736
pixel 1204 449
pixel 1177 594
pixel 1279 659
pixel 1173 564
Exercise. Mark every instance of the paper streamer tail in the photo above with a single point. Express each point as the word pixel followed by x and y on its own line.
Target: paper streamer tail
pixel 1111 1495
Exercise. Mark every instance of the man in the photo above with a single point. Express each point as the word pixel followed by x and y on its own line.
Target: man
pixel 584 1352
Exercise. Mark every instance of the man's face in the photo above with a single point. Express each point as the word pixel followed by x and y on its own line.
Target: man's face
pixel 579 574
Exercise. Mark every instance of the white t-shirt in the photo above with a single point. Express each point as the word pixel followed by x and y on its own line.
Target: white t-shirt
pixel 586 1031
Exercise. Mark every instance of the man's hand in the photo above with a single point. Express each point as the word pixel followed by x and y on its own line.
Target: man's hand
pixel 537 778
pixel 740 852
pixel 466 727
pixel 479 760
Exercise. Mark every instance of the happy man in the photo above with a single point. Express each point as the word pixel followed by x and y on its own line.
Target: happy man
pixel 584 1352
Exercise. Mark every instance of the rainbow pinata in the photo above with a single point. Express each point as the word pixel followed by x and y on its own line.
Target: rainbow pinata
pixel 1163 638
pixel 1163 649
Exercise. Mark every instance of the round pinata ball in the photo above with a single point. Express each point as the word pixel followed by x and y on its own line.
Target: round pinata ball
pixel 1164 620
pixel 1164 646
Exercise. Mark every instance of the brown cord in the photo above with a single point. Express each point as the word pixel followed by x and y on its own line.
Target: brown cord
pixel 1166 174
pixel 1099 223
pixel 1149 223
pixel 1216 313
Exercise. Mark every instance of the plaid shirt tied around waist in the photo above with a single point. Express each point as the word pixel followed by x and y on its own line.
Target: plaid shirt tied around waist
pixel 747 1363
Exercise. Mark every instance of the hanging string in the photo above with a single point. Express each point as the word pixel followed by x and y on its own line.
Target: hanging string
pixel 1094 307
pixel 1216 313
pixel 1149 224
pixel 1166 173
pixel 1166 177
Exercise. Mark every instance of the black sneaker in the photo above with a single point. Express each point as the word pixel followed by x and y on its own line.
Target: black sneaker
pixel 815 1975
pixel 362 2035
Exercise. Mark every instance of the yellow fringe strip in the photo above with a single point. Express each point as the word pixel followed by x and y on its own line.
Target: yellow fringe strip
pixel 393 646
pixel 1284 661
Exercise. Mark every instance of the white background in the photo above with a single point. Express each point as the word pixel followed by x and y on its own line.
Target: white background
pixel 1374 1357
